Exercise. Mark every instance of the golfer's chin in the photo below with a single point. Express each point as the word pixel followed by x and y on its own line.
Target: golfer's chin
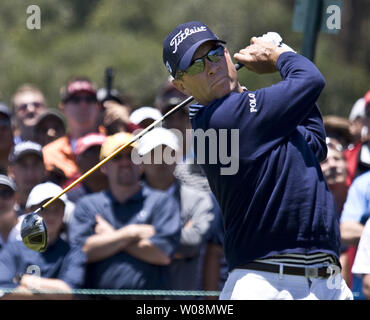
pixel 223 88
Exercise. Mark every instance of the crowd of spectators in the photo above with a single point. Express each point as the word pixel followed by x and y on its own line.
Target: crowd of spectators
pixel 150 225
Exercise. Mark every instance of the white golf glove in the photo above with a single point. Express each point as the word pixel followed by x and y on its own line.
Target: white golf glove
pixel 275 38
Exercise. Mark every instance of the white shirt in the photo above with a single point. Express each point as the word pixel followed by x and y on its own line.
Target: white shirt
pixel 361 264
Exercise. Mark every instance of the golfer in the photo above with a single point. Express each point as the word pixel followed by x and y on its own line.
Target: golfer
pixel 281 228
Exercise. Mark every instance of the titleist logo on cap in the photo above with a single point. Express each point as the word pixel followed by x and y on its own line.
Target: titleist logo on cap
pixel 183 34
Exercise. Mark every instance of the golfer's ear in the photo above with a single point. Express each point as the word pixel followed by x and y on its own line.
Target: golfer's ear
pixel 179 85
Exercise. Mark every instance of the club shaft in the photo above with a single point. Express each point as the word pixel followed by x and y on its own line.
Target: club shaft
pixel 113 154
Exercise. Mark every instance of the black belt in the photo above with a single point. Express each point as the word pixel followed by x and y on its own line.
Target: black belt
pixel 323 272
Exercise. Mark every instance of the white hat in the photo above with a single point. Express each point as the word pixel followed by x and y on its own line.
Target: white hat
pixel 145 113
pixel 358 110
pixel 6 181
pixel 156 137
pixel 44 191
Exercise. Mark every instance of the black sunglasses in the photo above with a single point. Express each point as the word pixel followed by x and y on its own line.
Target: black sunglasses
pixel 24 106
pixel 198 65
pixel 6 193
pixel 79 99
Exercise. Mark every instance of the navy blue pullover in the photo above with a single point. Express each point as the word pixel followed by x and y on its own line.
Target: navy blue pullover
pixel 278 201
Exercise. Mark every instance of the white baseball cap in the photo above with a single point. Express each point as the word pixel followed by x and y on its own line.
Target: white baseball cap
pixel 44 191
pixel 358 110
pixel 143 113
pixel 6 181
pixel 155 138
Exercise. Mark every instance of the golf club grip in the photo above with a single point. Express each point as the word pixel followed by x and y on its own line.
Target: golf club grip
pixel 134 139
pixel 238 66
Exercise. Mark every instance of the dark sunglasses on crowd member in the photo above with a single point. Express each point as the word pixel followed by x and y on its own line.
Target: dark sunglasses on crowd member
pixel 197 66
pixel 79 99
pixel 6 193
pixel 122 155
pixel 24 106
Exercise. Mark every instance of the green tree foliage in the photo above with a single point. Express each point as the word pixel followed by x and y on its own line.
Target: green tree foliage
pixel 86 36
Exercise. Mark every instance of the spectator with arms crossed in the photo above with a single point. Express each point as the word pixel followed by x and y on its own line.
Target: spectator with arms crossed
pixel 128 232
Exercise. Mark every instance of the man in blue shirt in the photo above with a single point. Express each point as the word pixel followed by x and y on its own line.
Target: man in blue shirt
pixel 281 228
pixel 129 232
pixel 32 273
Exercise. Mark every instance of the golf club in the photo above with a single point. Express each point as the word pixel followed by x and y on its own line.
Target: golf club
pixel 33 228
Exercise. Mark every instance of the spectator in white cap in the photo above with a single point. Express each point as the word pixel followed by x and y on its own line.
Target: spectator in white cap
pixel 46 191
pixel 187 171
pixel 358 155
pixel 158 148
pixel 356 119
pixel 8 216
pixel 26 167
pixel 145 116
pixel 59 268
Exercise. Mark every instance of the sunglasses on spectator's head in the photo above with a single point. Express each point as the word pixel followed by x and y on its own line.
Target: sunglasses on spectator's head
pixel 79 99
pixel 198 65
pixel 6 193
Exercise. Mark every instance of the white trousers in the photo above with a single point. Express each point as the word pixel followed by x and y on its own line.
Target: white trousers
pixel 243 284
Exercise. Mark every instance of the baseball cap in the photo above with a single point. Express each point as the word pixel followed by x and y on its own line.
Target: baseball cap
pixel 156 137
pixel 75 87
pixel 115 141
pixel 89 140
pixel 143 113
pixel 44 191
pixel 358 110
pixel 338 128
pixel 6 181
pixel 23 148
pixel 181 44
pixel 49 114
pixel 169 97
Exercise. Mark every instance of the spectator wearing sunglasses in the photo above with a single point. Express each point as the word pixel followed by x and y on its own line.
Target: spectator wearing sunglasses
pixel 28 103
pixel 8 216
pixel 187 171
pixel 6 137
pixel 81 109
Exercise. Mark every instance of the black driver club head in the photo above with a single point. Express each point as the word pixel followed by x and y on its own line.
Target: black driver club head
pixel 34 233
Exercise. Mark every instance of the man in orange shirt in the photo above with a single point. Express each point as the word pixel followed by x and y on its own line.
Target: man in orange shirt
pixel 81 109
